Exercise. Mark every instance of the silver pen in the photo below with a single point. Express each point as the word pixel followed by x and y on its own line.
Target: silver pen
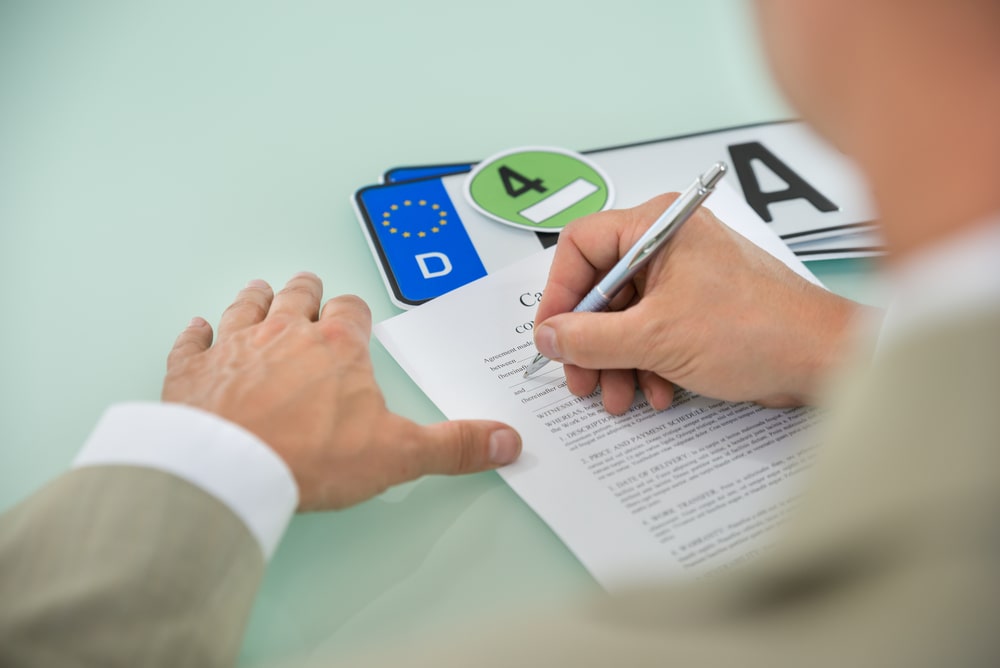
pixel 644 249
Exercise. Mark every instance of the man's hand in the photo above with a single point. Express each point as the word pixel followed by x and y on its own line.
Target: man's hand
pixel 302 381
pixel 712 312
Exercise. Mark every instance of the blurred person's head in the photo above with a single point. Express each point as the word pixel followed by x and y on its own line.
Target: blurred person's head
pixel 908 88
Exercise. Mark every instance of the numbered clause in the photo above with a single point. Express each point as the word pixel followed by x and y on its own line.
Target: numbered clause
pixel 539 188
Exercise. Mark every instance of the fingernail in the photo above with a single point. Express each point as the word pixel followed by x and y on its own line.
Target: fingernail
pixel 656 400
pixel 305 274
pixel 257 283
pixel 547 342
pixel 197 322
pixel 504 446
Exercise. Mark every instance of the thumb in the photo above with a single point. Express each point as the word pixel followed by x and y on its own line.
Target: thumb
pixel 593 340
pixel 464 446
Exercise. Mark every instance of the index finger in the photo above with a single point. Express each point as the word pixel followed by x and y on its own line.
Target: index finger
pixel 300 296
pixel 249 308
pixel 347 311
pixel 588 248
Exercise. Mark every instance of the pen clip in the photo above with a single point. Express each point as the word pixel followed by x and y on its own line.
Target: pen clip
pixel 689 203
pixel 646 250
pixel 659 239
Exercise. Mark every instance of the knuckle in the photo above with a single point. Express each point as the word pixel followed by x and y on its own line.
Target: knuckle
pixel 573 228
pixel 652 207
pixel 338 331
pixel 346 329
pixel 411 460
pixel 463 458
pixel 703 222
pixel 247 306
pixel 271 327
pixel 184 348
pixel 576 343
pixel 445 448
pixel 174 358
pixel 667 198
pixel 297 289
pixel 356 303
pixel 466 458
pixel 347 307
pixel 178 360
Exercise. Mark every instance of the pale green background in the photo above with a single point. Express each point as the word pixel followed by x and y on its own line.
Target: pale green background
pixel 156 156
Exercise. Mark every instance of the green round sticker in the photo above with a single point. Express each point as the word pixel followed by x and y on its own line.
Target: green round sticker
pixel 540 188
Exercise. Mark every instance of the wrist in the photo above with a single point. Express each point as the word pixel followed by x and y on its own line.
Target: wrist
pixel 203 449
pixel 830 329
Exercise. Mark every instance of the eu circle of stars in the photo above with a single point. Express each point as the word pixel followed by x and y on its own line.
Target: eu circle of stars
pixel 437 220
pixel 420 239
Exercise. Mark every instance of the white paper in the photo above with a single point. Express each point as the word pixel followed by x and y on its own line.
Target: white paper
pixel 646 495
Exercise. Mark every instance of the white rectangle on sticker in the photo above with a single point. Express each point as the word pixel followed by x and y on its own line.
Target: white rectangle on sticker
pixel 559 201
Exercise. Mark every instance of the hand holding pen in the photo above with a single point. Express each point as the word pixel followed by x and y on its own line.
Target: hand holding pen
pixel 714 314
pixel 644 250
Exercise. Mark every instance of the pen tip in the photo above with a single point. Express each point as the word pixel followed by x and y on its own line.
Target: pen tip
pixel 536 364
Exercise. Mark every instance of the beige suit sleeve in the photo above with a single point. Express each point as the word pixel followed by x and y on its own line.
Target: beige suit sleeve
pixel 891 561
pixel 118 565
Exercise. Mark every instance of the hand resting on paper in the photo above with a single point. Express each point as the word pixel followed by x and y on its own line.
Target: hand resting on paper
pixel 301 380
pixel 712 313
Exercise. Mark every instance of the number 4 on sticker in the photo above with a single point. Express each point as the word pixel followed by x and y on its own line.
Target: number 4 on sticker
pixel 538 188
pixel 508 176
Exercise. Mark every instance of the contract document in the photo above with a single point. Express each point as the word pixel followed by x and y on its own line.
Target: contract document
pixel 673 494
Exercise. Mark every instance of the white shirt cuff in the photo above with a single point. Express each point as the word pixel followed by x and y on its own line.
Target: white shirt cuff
pixel 211 453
